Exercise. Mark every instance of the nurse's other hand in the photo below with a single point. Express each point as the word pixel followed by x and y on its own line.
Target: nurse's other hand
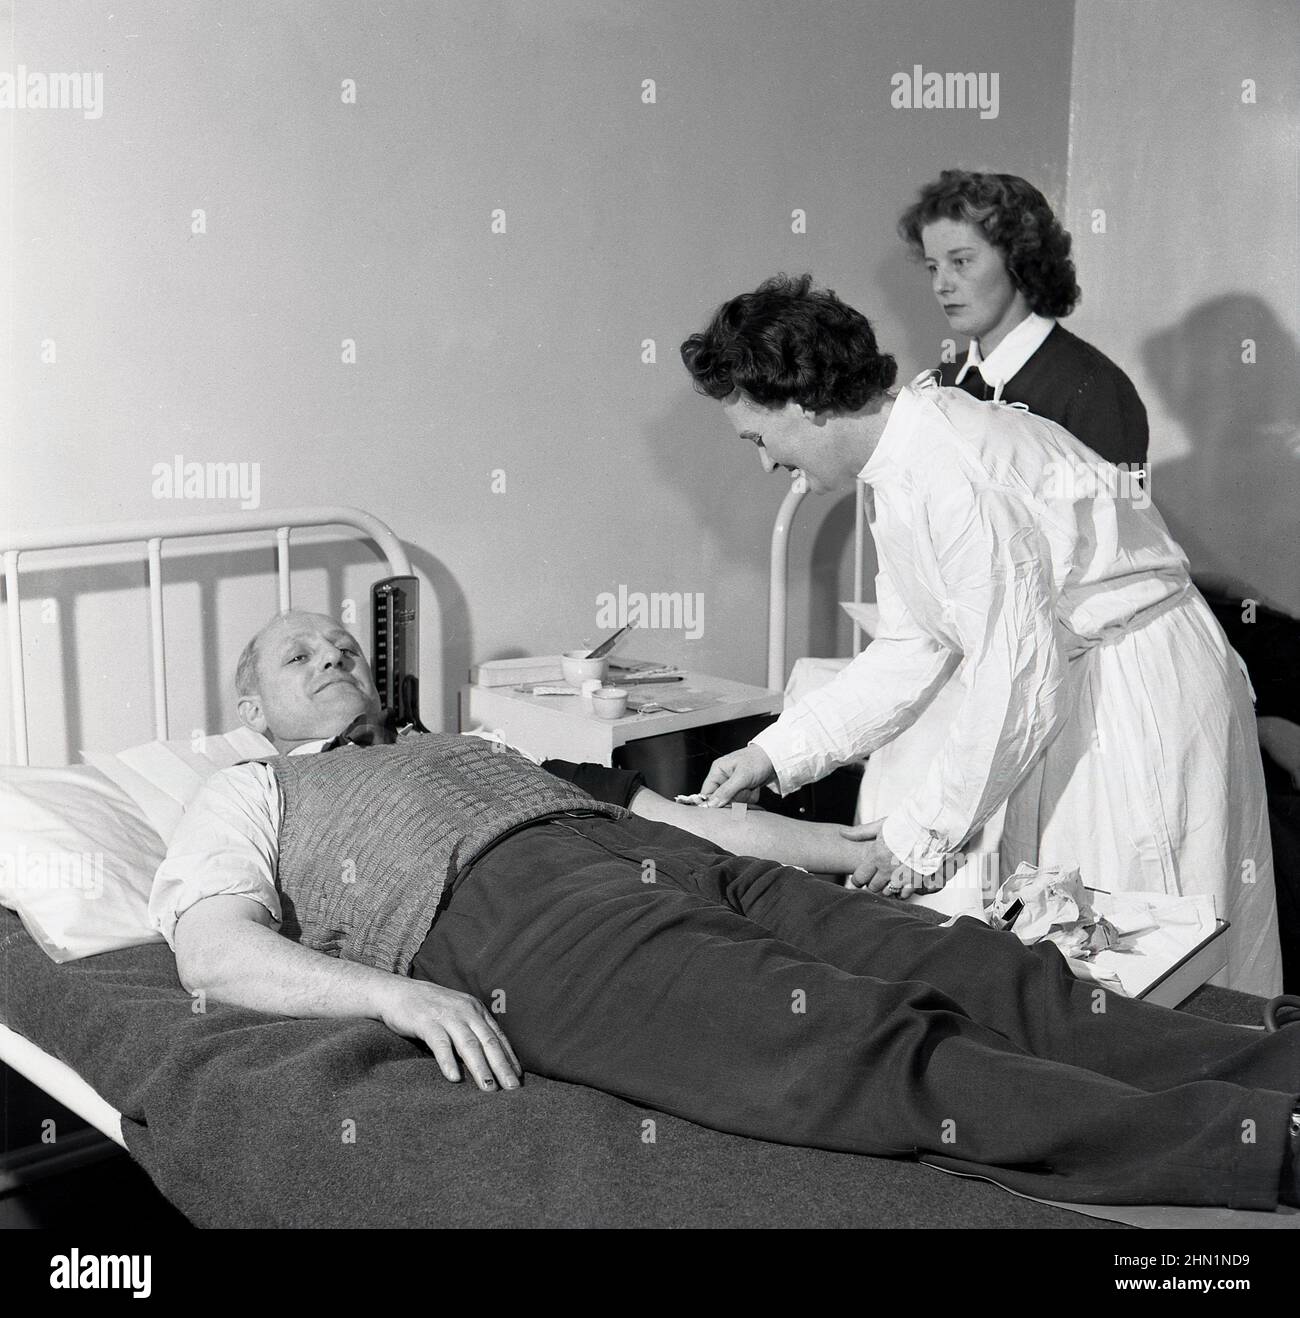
pixel 738 776
pixel 881 871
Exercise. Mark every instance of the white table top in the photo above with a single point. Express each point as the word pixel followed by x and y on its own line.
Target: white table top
pixel 716 700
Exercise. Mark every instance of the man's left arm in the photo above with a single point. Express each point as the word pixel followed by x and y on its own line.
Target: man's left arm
pixel 822 848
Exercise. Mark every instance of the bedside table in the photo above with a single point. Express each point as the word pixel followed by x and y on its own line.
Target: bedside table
pixel 565 728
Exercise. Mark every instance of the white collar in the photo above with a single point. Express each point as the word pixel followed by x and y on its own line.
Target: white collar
pixel 310 747
pixel 897 424
pixel 315 747
pixel 1010 355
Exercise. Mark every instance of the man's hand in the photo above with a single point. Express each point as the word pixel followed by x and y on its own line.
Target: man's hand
pixel 452 1024
pixel 881 871
pixel 226 947
pixel 738 776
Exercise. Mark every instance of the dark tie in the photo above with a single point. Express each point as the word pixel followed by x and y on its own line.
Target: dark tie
pixel 975 385
pixel 366 730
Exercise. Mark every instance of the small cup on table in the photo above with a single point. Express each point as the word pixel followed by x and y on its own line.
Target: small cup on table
pixel 609 702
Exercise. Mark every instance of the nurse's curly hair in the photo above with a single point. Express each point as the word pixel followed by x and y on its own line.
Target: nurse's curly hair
pixel 788 340
pixel 1015 217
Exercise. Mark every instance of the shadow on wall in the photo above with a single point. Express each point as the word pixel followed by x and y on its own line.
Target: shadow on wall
pixel 1233 502
pixel 723 486
pixel 719 482
pixel 830 633
pixel 905 291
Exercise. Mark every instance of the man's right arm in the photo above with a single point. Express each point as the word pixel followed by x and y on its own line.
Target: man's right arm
pixel 227 949
pixel 215 901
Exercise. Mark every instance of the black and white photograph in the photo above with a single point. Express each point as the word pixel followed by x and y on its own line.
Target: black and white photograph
pixel 651 615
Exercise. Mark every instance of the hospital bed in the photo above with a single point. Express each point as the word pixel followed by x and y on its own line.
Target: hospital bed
pixel 246 1119
pixel 45 1071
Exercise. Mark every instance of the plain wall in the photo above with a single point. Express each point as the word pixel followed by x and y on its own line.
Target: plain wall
pixel 476 353
pixel 1199 254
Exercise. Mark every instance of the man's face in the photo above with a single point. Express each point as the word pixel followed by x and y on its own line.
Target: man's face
pixel 313 680
pixel 787 436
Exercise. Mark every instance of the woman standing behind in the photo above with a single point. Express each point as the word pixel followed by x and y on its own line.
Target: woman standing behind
pixel 1000 268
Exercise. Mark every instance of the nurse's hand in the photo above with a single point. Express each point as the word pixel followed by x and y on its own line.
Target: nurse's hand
pixel 881 871
pixel 738 776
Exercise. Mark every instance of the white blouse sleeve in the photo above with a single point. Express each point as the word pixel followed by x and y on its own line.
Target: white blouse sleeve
pixel 1000 602
pixel 878 695
pixel 227 844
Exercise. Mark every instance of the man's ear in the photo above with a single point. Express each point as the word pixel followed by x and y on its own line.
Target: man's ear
pixel 251 715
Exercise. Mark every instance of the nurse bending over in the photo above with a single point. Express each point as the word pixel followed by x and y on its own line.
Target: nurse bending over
pixel 1101 701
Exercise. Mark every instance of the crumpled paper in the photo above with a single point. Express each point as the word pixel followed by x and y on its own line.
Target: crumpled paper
pixel 1057 909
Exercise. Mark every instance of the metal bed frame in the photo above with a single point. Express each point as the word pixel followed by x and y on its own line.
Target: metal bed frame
pixel 56 1078
pixel 779 571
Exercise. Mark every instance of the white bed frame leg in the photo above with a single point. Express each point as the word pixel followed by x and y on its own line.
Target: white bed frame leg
pixel 17 682
pixel 156 639
pixel 778 571
pixel 282 565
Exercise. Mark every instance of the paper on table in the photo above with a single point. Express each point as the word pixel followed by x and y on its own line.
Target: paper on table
pixel 680 702
pixel 1159 930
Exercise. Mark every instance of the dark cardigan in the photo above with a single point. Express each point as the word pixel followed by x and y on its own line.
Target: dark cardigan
pixel 1068 381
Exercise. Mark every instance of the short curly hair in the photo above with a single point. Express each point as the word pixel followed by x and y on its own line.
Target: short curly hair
pixel 1015 217
pixel 790 341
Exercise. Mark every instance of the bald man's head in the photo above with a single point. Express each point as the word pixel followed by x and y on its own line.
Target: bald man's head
pixel 302 678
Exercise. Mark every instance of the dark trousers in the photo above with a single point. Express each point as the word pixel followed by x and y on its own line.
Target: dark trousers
pixel 751 998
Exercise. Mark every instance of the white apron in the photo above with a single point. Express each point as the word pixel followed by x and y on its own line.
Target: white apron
pixel 1097 698
pixel 1154 784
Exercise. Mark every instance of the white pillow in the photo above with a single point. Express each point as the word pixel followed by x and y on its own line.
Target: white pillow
pixel 77 860
pixel 163 777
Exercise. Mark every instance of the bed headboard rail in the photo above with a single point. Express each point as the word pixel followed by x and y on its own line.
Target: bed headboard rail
pixel 152 533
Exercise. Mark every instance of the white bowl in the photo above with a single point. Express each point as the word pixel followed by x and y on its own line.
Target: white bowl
pixel 577 668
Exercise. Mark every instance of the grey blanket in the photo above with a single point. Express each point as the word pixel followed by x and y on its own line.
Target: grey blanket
pixel 249 1120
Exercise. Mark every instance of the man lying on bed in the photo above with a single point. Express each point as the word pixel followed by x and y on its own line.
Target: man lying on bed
pixel 467 898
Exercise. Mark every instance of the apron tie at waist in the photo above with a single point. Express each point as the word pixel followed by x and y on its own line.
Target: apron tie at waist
pixel 1076 645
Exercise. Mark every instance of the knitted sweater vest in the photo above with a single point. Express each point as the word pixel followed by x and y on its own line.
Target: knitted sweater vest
pixel 370 836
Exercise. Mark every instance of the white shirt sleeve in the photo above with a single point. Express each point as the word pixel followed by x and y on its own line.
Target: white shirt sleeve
pixel 227 844
pixel 878 695
pixel 1000 599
